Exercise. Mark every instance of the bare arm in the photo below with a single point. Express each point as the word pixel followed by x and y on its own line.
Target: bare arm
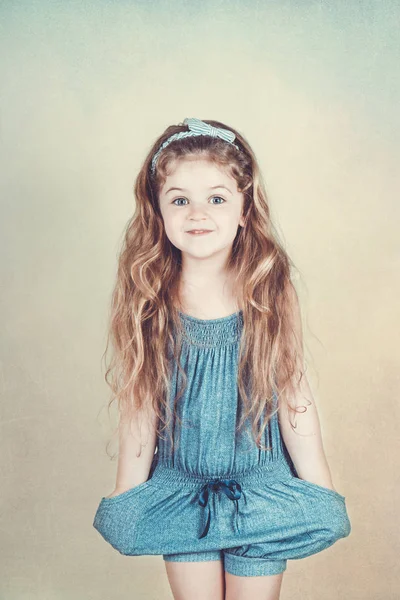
pixel 134 459
pixel 305 444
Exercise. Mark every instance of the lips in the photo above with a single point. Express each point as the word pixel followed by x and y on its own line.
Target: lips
pixel 199 230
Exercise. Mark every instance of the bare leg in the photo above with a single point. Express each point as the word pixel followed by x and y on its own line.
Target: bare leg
pixel 196 580
pixel 265 587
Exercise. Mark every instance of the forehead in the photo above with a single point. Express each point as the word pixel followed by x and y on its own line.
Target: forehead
pixel 195 173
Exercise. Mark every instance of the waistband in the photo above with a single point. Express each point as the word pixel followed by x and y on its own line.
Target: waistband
pixel 168 476
pixel 230 484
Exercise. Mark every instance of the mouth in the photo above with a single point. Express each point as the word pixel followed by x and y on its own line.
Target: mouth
pixel 199 231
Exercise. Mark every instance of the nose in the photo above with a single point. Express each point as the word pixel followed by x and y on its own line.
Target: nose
pixel 198 219
pixel 197 211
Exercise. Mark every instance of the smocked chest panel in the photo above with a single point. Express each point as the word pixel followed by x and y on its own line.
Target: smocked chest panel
pixel 205 442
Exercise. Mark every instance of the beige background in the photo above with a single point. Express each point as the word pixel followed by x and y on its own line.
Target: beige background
pixel 85 89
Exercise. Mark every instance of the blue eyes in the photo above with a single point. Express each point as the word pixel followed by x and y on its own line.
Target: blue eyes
pixel 173 202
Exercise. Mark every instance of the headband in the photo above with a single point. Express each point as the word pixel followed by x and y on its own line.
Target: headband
pixel 196 127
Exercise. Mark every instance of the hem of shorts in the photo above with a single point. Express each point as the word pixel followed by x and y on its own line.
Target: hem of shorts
pixel 196 557
pixel 246 566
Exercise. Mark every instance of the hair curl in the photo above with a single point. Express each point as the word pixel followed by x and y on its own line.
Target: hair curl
pixel 146 299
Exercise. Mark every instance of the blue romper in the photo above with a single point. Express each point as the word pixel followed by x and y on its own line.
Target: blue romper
pixel 217 497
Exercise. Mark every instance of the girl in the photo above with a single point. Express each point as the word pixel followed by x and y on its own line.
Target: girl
pixel 221 465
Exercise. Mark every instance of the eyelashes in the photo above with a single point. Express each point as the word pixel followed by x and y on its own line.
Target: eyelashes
pixel 182 198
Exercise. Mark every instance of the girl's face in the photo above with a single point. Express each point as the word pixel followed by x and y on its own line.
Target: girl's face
pixel 207 198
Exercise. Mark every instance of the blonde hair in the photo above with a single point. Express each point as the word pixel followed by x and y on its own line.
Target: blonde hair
pixel 146 299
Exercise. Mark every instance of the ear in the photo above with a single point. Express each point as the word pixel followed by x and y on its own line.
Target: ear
pixel 242 221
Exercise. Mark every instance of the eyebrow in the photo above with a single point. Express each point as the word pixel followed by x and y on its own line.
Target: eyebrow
pixel 214 187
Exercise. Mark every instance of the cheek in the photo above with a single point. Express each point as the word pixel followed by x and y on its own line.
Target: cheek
pixel 175 223
pixel 172 226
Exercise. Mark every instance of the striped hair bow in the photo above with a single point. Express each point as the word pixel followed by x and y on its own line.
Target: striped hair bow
pixel 196 127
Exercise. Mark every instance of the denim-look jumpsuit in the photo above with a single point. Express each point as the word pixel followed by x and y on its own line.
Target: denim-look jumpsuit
pixel 217 497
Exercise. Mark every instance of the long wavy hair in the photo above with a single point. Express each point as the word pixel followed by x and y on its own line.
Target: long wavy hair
pixel 146 297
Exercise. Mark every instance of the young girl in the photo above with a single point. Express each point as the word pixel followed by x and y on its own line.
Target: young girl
pixel 221 465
